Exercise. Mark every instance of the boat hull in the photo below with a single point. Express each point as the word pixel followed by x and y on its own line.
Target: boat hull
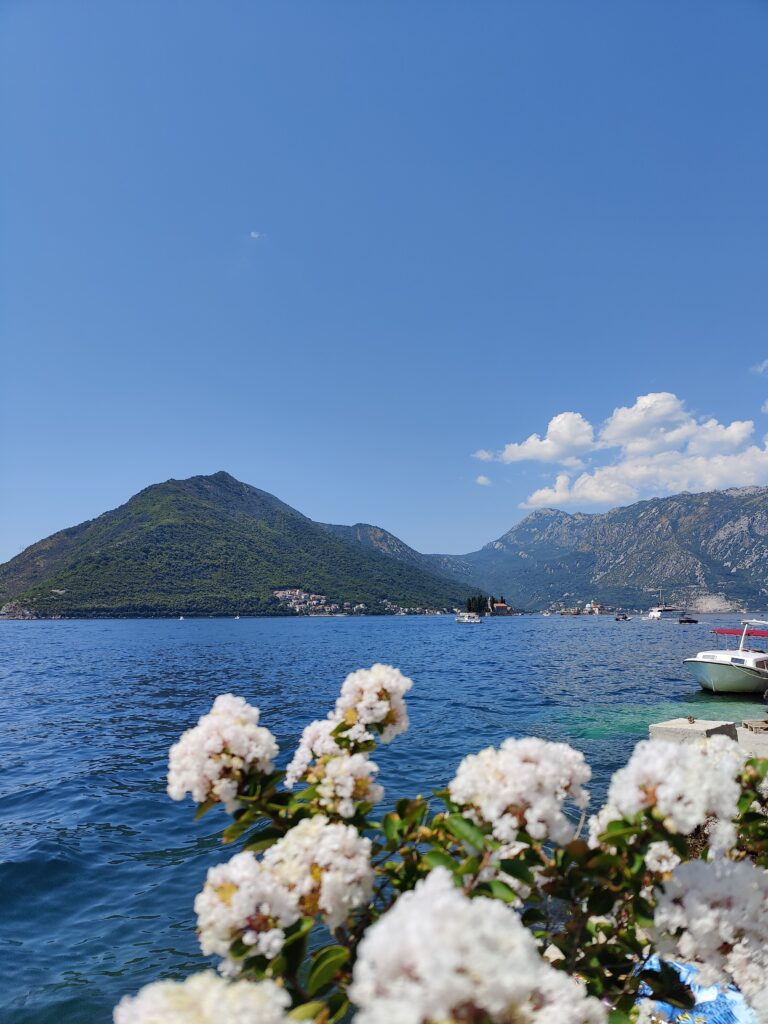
pixel 722 678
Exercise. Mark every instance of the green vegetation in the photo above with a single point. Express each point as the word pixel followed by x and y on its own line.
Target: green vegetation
pixel 209 545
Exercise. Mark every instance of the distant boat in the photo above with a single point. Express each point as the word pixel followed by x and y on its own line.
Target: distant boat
pixel 686 620
pixel 181 617
pixel 237 616
pixel 468 618
pixel 656 613
pixel 744 670
pixel 622 617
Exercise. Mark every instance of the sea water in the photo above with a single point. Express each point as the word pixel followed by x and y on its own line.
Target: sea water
pixel 99 868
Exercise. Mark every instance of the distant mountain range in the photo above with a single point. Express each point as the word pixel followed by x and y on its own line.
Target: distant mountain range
pixel 213 545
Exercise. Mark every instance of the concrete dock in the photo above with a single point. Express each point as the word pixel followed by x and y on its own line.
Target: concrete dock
pixel 751 735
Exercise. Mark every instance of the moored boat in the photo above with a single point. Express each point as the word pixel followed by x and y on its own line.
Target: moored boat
pixel 743 670
pixel 468 618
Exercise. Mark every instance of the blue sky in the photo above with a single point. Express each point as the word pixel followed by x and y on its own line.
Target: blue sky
pixel 470 218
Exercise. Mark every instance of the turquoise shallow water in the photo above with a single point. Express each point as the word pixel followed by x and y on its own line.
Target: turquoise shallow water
pixel 98 868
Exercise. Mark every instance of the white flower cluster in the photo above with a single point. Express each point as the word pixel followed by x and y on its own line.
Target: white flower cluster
pixel 205 999
pixel 316 742
pixel 661 858
pixel 522 785
pixel 342 778
pixel 316 868
pixel 374 696
pixel 241 899
pixel 716 914
pixel 342 781
pixel 210 760
pixel 439 956
pixel 687 783
pixel 326 866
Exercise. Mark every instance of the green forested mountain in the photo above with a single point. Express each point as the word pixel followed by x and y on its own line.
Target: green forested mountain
pixel 207 545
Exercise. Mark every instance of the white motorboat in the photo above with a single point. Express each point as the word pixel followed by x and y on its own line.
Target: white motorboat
pixel 656 613
pixel 743 670
pixel 469 618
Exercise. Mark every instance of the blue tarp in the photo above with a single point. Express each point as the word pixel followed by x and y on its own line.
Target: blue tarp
pixel 714 1004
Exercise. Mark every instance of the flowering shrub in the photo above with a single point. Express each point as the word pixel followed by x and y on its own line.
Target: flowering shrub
pixel 481 905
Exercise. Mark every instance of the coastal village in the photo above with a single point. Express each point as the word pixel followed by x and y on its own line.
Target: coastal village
pixel 301 602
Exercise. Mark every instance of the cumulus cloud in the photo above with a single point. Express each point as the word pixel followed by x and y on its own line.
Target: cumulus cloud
pixel 483 480
pixel 654 446
pixel 632 478
pixel 760 368
pixel 483 454
pixel 568 436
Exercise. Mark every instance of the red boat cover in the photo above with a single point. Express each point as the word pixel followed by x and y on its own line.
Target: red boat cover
pixel 738 632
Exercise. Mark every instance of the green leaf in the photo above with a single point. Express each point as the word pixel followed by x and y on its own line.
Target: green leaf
pixel 499 890
pixel 338 1004
pixel 237 828
pixel 298 931
pixel 307 1011
pixel 601 901
pixel 325 966
pixel 439 859
pixel 392 824
pixel 518 870
pixel 264 838
pixel 465 830
pixel 204 807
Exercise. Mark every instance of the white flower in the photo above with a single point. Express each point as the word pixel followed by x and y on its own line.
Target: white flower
pixel 523 785
pixel 342 781
pixel 716 914
pixel 205 999
pixel 326 867
pixel 374 697
pixel 646 1013
pixel 316 742
pixel 210 760
pixel 243 900
pixel 437 955
pixel 686 782
pixel 660 857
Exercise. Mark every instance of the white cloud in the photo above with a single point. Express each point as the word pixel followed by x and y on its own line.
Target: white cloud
pixel 568 436
pixel 759 368
pixel 484 481
pixel 654 446
pixel 256 235
pixel 483 454
pixel 663 473
pixel 764 407
pixel 657 420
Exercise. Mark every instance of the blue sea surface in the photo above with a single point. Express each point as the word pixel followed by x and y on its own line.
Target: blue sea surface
pixel 99 869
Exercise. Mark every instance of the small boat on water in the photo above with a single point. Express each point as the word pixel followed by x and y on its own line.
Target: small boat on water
pixel 743 670
pixel 686 620
pixel 468 618
pixel 622 617
pixel 656 614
